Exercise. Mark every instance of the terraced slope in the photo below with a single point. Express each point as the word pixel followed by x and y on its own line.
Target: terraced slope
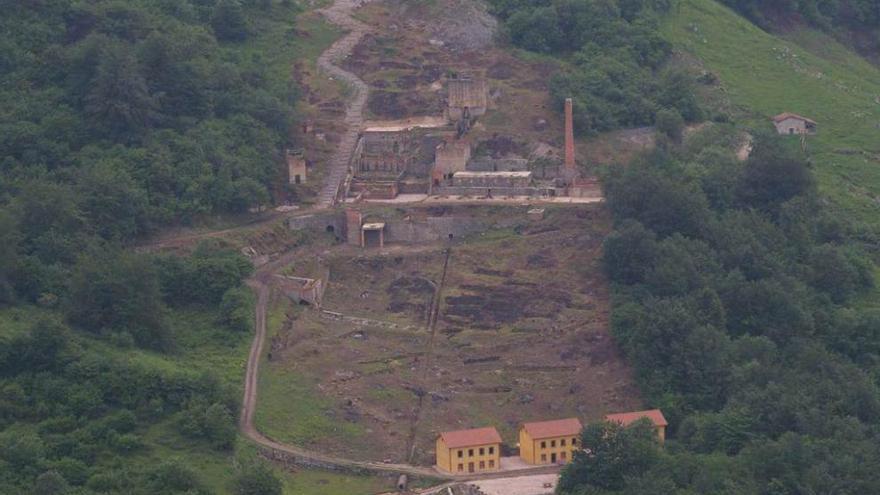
pixel 808 73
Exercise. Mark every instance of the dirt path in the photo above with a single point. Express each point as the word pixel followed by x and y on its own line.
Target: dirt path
pixel 340 14
pixel 261 283
pixel 429 352
pixel 337 167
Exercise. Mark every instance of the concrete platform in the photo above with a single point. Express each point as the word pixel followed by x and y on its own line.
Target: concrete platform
pixel 541 484
pixel 424 198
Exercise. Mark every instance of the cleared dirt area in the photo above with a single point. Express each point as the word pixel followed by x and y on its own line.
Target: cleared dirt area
pixel 520 334
pixel 419 45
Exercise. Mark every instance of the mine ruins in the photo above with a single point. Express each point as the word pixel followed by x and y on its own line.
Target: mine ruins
pixel 437 157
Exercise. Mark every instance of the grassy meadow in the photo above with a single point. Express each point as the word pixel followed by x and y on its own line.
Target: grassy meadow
pixel 805 72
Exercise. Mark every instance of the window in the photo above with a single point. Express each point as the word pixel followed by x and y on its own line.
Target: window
pixel 543 445
pixel 482 465
pixel 552 443
pixel 562 443
pixel 460 454
pixel 543 457
pixel 574 441
pixel 491 451
pixel 482 451
pixel 460 468
pixel 470 452
pixel 491 463
pixel 562 455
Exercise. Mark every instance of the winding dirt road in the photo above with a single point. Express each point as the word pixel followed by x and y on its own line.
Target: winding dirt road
pixel 340 14
pixel 337 166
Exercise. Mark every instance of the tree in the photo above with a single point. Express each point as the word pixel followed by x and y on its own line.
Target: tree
pixel 629 253
pixel 228 21
pixel 236 309
pixel 670 124
pixel 174 477
pixel 667 206
pixel 119 97
pixel 773 175
pixel 212 422
pixel 9 246
pixel 257 479
pixel 114 204
pixel 118 291
pixel 611 454
pixel 51 483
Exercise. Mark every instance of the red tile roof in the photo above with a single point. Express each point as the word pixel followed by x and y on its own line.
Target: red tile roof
pixel 625 419
pixel 789 115
pixel 557 428
pixel 470 438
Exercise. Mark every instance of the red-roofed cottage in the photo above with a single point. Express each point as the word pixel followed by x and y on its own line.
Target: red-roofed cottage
pixel 469 451
pixel 792 123
pixel 549 442
pixel 655 415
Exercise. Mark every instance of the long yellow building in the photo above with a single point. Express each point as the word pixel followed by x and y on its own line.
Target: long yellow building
pixel 549 442
pixel 469 451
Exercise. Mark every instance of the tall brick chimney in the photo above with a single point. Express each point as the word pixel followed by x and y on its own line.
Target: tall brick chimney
pixel 569 135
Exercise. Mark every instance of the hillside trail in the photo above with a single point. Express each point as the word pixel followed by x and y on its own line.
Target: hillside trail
pixel 261 282
pixel 337 166
pixel 340 14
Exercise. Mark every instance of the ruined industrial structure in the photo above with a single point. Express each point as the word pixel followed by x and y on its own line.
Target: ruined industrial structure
pixel 296 167
pixel 417 226
pixel 437 157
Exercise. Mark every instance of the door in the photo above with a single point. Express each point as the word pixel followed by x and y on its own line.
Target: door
pixel 553 458
pixel 470 467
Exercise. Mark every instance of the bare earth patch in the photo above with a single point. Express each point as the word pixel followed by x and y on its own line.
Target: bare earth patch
pixel 521 334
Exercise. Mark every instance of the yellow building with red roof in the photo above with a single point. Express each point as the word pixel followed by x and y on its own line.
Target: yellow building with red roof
pixel 655 415
pixel 469 451
pixel 549 442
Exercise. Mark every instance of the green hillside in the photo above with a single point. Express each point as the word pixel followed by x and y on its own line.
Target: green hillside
pixel 810 74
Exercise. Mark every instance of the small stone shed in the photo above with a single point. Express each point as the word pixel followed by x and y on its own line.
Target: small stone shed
pixel 791 124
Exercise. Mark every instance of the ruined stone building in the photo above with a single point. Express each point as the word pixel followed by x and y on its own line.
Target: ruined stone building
pixel 467 94
pixel 450 157
pixel 396 158
pixel 506 180
pixel 385 153
pixel 296 167
pixel 432 155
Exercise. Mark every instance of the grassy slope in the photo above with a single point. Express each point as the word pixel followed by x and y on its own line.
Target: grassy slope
pixel 808 73
pixel 277 46
pixel 201 346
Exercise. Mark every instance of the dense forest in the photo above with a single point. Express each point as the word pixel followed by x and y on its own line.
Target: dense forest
pixel 740 296
pixel 617 71
pixel 738 299
pixel 122 116
pixel 855 22
pixel 117 117
pixel 828 14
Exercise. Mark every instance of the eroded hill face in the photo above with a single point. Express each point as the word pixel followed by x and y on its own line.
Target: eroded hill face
pixel 520 333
